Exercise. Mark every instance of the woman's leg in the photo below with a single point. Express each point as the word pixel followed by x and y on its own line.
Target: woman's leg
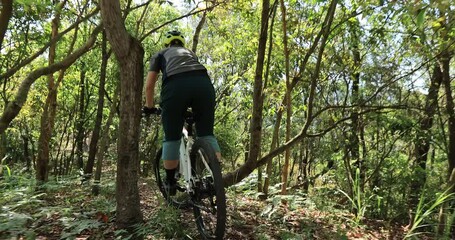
pixel 173 105
pixel 203 105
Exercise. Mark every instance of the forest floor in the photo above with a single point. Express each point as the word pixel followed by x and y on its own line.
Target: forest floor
pixel 250 218
pixel 69 211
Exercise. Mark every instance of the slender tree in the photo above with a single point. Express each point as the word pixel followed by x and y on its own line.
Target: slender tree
pixel 50 106
pixel 276 128
pixel 258 102
pixel 287 154
pixel 423 140
pixel 444 62
pixel 99 111
pixel 198 31
pixel 129 54
pixel 80 122
pixel 104 142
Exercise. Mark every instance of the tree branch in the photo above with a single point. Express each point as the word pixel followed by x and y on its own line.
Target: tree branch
pixel 13 70
pixel 13 108
pixel 175 19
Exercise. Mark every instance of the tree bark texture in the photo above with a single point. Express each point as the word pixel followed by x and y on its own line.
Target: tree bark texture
pixel 42 161
pixel 274 144
pixel 450 109
pixel 104 142
pixel 5 16
pixel 59 168
pixel 198 32
pixel 353 146
pixel 287 154
pixel 50 106
pixel 99 111
pixel 80 128
pixel 27 157
pixel 445 67
pixel 129 54
pixel 444 63
pixel 422 144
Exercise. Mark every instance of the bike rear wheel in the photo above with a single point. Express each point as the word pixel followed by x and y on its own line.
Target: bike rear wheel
pixel 181 198
pixel 209 199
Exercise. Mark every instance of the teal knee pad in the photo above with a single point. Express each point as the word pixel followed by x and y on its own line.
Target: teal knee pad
pixel 213 142
pixel 171 150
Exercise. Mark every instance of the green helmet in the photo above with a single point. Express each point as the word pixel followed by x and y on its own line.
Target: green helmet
pixel 173 35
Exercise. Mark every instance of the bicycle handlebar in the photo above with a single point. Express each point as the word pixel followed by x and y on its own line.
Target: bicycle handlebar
pixel 146 111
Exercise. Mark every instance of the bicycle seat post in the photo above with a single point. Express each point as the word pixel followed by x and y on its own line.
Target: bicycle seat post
pixel 189 123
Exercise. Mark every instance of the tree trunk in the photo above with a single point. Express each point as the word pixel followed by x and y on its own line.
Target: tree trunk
pixel 61 151
pixel 3 142
pixel 273 145
pixel 198 32
pixel 354 139
pixel 26 136
pixel 69 163
pixel 47 117
pixel 104 143
pixel 99 112
pixel 305 167
pixel 150 154
pixel 450 108
pixel 445 70
pixel 80 120
pixel 5 16
pixel 422 144
pixel 287 154
pixel 27 157
pixel 258 102
pixel 260 175
pixel 129 54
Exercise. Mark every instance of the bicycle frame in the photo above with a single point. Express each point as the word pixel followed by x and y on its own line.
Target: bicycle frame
pixel 186 142
pixel 185 163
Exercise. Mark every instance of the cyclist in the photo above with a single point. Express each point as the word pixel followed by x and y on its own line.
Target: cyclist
pixel 185 83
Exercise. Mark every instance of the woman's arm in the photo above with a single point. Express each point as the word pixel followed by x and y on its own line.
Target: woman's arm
pixel 152 76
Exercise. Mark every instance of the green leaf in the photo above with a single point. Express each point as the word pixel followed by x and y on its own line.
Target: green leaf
pixel 8 170
pixel 421 18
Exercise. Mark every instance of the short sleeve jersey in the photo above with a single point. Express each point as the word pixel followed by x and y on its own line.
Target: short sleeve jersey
pixel 174 60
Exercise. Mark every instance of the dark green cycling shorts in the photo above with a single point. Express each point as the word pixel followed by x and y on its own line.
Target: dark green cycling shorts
pixel 178 93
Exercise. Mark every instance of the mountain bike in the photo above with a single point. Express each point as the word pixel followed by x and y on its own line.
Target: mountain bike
pixel 199 182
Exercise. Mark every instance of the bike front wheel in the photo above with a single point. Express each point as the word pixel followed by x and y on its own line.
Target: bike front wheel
pixel 209 199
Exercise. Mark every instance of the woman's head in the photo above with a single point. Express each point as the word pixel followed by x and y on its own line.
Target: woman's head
pixel 174 38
